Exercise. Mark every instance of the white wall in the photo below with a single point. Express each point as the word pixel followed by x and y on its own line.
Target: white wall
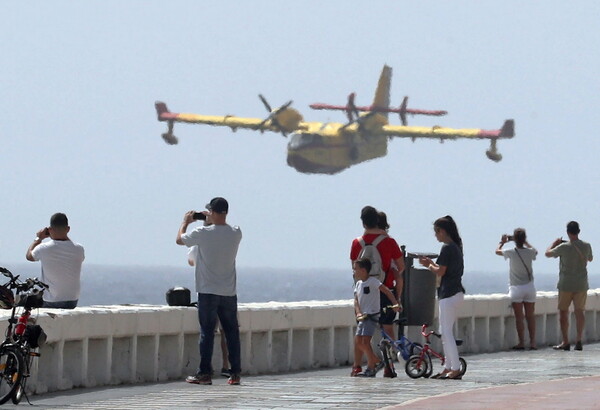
pixel 108 345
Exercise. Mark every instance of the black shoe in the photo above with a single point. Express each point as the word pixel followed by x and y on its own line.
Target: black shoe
pixel 563 346
pixel 578 346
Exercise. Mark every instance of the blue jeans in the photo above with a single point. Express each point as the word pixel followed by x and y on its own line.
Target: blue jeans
pixel 67 304
pixel 211 307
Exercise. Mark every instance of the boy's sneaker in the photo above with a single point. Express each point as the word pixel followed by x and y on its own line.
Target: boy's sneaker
pixel 368 373
pixel 199 379
pixel 379 366
pixel 225 372
pixel 234 379
pixel 356 370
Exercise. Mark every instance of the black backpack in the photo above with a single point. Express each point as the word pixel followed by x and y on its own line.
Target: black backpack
pixel 179 296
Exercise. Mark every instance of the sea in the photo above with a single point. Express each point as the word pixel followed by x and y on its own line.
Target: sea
pixel 126 285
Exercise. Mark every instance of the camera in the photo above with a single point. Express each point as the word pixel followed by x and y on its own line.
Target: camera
pixel 199 216
pixel 508 237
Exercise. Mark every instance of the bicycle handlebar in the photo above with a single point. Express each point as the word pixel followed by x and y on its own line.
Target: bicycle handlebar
pixel 431 332
pixel 29 283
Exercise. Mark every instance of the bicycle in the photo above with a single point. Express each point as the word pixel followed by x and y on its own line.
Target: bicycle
pixel 23 336
pixel 403 347
pixel 420 365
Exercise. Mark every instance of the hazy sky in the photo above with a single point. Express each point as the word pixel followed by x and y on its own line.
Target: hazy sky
pixel 79 131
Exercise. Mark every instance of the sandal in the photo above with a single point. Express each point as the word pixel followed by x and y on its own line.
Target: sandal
pixel 454 375
pixel 441 375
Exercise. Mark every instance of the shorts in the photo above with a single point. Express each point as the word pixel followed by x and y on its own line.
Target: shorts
pixel 389 315
pixel 522 293
pixel 578 298
pixel 366 327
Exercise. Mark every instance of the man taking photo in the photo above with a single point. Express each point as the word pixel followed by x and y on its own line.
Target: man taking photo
pixel 216 285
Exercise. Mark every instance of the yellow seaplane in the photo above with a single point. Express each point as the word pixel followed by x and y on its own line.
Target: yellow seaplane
pixel 329 148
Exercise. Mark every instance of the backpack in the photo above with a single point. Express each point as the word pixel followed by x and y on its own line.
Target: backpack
pixel 369 251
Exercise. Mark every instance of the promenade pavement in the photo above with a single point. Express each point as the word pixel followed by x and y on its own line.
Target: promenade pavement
pixel 544 379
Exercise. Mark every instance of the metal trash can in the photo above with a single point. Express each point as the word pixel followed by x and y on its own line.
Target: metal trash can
pixel 419 291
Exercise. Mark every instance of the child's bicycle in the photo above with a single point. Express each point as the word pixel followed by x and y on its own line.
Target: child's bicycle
pixel 401 348
pixel 419 365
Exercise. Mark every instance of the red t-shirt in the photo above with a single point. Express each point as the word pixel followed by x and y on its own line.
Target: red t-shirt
pixel 388 250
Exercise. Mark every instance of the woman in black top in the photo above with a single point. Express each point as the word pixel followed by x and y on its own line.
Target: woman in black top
pixel 449 267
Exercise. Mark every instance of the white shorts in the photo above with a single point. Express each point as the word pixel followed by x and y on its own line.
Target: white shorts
pixel 522 293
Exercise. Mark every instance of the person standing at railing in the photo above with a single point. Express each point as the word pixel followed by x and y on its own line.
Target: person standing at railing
pixel 449 267
pixel 216 286
pixel 391 255
pixel 61 261
pixel 521 289
pixel 572 281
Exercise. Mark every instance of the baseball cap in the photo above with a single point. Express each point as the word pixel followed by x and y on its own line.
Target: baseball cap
pixel 218 205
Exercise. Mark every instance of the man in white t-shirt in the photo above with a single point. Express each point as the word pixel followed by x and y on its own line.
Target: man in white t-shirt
pixel 61 263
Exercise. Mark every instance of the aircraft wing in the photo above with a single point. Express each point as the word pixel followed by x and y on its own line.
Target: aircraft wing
pixel 282 120
pixel 443 133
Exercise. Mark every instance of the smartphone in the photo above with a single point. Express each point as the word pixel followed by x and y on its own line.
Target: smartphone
pixel 199 216
pixel 47 232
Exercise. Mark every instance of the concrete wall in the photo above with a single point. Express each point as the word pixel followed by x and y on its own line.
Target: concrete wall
pixel 109 345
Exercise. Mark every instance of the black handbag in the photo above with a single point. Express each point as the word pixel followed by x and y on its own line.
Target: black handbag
pixel 179 296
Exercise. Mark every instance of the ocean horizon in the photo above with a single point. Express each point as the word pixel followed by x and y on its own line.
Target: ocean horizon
pixel 116 285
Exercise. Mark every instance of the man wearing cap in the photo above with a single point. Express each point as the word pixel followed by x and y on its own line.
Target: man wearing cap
pixel 572 281
pixel 61 261
pixel 216 285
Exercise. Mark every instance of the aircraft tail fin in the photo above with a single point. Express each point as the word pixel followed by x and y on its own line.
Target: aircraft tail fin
pixel 382 93
pixel 402 110
pixel 161 110
pixel 508 129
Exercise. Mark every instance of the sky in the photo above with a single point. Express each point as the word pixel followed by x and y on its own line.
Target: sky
pixel 79 131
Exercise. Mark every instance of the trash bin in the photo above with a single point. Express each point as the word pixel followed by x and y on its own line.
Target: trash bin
pixel 419 291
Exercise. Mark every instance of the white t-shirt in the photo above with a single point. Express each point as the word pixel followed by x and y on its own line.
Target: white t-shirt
pixel 61 269
pixel 367 293
pixel 518 273
pixel 215 261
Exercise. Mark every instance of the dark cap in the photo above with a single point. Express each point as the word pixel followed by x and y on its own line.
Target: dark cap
pixel 218 205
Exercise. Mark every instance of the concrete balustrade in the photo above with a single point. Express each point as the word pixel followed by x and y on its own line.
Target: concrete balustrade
pixel 109 345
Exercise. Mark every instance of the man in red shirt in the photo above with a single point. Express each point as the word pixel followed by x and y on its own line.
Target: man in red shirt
pixel 390 252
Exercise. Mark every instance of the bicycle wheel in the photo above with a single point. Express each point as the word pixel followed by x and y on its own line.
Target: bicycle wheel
pixel 11 371
pixel 388 357
pixel 415 367
pixel 20 390
pixel 429 370
pixel 463 365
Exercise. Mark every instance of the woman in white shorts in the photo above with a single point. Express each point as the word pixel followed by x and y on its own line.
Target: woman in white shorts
pixel 521 289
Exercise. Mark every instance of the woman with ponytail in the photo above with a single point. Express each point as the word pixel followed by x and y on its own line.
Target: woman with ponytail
pixel 449 267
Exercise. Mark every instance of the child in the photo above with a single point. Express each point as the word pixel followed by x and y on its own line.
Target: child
pixel 366 307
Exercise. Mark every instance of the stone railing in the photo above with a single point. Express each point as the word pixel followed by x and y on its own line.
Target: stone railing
pixel 109 345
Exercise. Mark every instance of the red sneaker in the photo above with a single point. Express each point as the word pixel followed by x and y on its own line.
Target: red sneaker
pixel 234 379
pixel 355 371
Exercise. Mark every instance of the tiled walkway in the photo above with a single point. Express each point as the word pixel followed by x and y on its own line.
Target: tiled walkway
pixel 530 379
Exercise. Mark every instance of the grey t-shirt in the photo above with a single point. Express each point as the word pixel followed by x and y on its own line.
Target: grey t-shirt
pixel 518 272
pixel 215 261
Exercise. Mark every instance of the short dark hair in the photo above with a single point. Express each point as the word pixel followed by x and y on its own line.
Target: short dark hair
pixel 364 263
pixel 59 220
pixel 369 217
pixel 573 228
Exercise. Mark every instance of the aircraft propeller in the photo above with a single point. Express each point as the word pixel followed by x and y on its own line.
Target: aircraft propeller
pixel 273 115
